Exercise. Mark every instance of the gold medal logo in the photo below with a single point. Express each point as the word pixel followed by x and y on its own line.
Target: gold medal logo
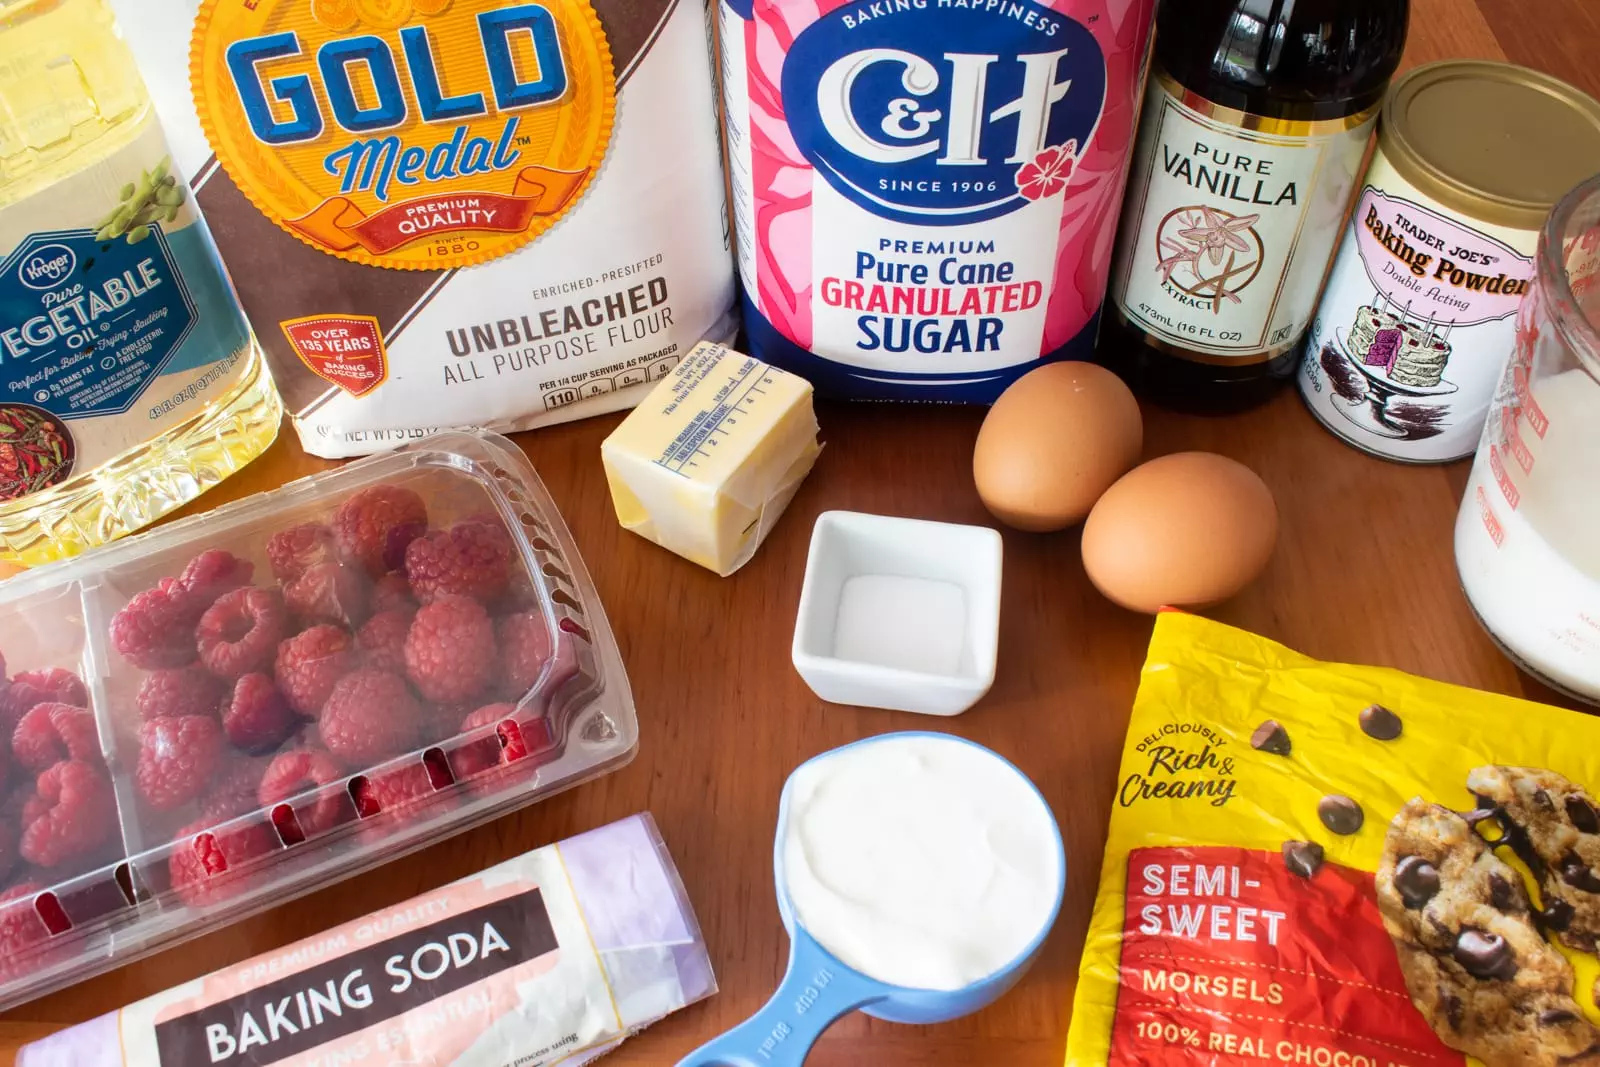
pixel 418 134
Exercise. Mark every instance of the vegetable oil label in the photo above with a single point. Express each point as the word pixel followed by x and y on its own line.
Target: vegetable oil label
pixel 1234 218
pixel 925 190
pixel 116 321
pixel 1417 321
pixel 463 213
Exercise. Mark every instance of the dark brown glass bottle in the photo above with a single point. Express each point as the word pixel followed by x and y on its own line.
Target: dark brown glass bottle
pixel 1256 121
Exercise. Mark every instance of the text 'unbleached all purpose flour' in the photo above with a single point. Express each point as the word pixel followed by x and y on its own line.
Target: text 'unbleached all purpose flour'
pixel 926 191
pixel 451 212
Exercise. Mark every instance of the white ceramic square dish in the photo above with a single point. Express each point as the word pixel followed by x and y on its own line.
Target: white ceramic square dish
pixel 902 614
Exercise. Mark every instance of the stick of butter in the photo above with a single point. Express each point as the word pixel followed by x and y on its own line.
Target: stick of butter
pixel 706 464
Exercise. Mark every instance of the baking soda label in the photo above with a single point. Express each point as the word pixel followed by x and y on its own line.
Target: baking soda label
pixel 440 979
pixel 924 188
pixel 1415 325
pixel 1225 249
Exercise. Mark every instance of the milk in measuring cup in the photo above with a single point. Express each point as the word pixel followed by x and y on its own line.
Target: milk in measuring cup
pixel 1528 537
pixel 926 191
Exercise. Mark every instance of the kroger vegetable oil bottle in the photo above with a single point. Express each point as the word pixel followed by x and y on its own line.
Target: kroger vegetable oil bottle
pixel 129 379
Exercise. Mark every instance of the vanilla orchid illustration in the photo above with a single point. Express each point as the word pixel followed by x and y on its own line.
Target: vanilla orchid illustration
pixel 1218 234
pixel 1211 235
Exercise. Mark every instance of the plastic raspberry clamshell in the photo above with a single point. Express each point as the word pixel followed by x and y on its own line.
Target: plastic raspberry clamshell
pixel 162 877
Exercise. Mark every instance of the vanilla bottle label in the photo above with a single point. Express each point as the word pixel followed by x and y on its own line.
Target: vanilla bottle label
pixel 1233 218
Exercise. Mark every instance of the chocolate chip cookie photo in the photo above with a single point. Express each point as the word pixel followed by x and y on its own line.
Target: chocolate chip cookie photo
pixel 1553 825
pixel 1474 960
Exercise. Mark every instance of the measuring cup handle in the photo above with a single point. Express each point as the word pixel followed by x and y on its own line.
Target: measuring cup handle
pixel 815 991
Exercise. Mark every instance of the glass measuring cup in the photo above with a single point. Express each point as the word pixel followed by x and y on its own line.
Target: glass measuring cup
pixel 817 988
pixel 1528 533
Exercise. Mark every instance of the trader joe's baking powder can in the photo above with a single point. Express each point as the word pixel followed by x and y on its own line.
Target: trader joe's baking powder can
pixel 1419 314
pixel 926 190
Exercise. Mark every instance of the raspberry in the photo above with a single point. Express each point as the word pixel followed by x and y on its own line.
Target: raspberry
pixel 178 691
pixel 32 688
pixel 392 591
pixel 524 647
pixel 207 860
pixel 304 770
pixel 9 854
pixel 328 592
pixel 22 931
pixel 36 687
pixel 472 558
pixel 503 746
pixel 450 649
pixel 383 639
pixel 257 718
pixel 240 632
pixel 212 573
pixel 233 791
pixel 49 733
pixel 363 525
pixel 401 793
pixel 156 628
pixel 296 550
pixel 370 716
pixel 177 759
pixel 72 812
pixel 309 664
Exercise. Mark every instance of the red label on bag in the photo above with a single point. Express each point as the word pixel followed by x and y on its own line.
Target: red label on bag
pixel 1228 957
pixel 346 350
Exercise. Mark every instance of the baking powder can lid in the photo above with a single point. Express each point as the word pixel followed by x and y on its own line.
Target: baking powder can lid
pixel 1496 142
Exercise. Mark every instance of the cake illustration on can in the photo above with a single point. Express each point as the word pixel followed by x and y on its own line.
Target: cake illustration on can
pixel 1408 352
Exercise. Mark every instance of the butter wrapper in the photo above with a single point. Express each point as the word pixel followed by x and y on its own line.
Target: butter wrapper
pixel 705 465
pixel 550 958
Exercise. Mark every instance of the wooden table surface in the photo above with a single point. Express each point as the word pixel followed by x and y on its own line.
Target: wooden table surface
pixel 1363 573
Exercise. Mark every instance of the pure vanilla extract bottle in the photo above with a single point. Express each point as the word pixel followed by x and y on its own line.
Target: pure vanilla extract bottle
pixel 1256 120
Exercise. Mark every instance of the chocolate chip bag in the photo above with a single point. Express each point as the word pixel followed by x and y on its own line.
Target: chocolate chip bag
pixel 1341 866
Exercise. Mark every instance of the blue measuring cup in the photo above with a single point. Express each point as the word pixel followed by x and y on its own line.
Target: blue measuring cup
pixel 817 988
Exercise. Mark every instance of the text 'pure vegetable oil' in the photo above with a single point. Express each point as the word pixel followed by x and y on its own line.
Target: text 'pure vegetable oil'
pixel 130 381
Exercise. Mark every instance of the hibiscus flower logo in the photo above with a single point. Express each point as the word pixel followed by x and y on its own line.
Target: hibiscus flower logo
pixel 1048 172
pixel 1209 254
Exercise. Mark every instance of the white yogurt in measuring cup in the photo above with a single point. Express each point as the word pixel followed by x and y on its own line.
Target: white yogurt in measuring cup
pixel 920 861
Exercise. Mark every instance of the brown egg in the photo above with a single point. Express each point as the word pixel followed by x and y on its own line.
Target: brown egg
pixel 1182 531
pixel 1053 442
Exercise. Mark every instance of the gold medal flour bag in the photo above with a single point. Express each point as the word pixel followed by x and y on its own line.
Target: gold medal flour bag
pixel 446 213
pixel 1341 866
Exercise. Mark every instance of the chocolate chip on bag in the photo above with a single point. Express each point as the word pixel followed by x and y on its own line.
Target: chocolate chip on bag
pixel 1416 880
pixel 1485 955
pixel 1302 857
pixel 1271 737
pixel 1380 723
pixel 1340 814
pixel 1582 814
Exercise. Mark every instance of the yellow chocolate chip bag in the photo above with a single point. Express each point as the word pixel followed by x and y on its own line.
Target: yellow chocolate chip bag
pixel 1313 863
